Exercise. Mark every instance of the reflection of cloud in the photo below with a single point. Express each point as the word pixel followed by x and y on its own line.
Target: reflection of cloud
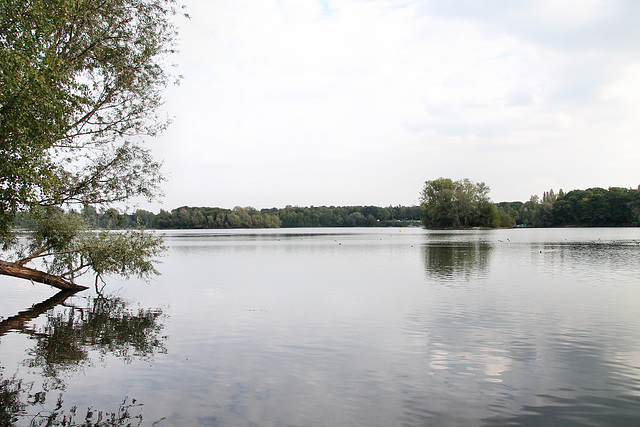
pixel 544 340
pixel 516 374
pixel 481 363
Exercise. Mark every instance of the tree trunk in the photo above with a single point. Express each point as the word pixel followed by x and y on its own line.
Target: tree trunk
pixel 16 270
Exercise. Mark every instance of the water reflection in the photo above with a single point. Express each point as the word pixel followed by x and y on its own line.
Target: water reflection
pixel 459 261
pixel 549 339
pixel 382 327
pixel 18 322
pixel 69 338
pixel 518 374
pixel 17 397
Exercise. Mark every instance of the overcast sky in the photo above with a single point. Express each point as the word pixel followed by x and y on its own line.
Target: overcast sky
pixel 358 102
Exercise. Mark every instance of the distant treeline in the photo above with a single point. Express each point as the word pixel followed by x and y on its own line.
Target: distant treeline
pixel 593 207
pixel 288 217
pixel 186 217
pixel 346 216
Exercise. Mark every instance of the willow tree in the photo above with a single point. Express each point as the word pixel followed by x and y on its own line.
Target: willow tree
pixel 80 90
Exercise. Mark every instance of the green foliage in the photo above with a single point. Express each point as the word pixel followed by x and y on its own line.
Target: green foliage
pixel 506 220
pixel 634 208
pixel 489 216
pixel 80 83
pixel 67 247
pixel 288 217
pixel 510 213
pixel 203 218
pixel 347 216
pixel 596 207
pixel 457 204
pixel 593 207
pixel 126 253
pixel 54 230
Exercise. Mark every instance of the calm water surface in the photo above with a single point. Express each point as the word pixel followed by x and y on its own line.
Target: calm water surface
pixel 341 327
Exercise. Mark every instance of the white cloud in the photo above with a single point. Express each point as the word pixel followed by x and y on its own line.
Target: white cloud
pixel 359 102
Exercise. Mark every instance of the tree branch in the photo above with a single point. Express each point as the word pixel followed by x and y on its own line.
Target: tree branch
pixel 36 254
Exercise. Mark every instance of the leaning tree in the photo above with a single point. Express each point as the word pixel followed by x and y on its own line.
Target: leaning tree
pixel 80 90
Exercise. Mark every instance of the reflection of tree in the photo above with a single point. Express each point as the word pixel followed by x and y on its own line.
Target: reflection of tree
pixel 456 261
pixel 64 342
pixel 18 321
pixel 13 408
pixel 10 404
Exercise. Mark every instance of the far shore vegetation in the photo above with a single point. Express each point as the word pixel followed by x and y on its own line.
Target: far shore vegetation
pixel 445 204
pixel 448 204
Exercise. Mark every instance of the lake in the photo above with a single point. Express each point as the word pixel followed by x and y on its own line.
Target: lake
pixel 339 327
